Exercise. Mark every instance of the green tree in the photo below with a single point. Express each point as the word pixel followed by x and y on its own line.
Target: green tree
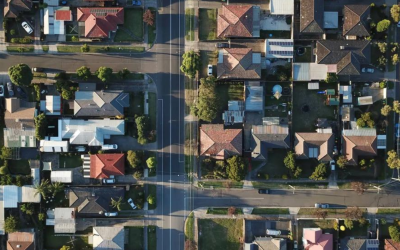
pixel 75 39
pixel 6 180
pixel 396 106
pixel 6 153
pixel 348 223
pixel 65 247
pixel 297 172
pixel 142 129
pixel 134 158
pixel 394 233
pixel 84 73
pixel 342 161
pixel 40 126
pixel 85 48
pixel 20 74
pixel 319 172
pixel 151 199
pixel 393 160
pixel 19 180
pixel 104 74
pixel 190 63
pixel 331 78
pixel 365 120
pixel 207 106
pixel 395 59
pixel 41 216
pixel 116 203
pixel 4 170
pixel 42 188
pixel 151 162
pixel 12 32
pixel 236 168
pixel 67 94
pixel 386 110
pixel 394 12
pixel 56 187
pixel 11 224
pixel 28 208
pixel 383 25
pixel 382 47
pixel 290 161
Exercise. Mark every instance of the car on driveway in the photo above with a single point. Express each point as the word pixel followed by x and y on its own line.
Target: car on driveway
pixel 209 70
pixel 367 70
pixel 21 92
pixel 333 165
pixel 27 27
pixel 263 191
pixel 222 45
pixel 111 214
pixel 109 181
pixel 130 201
pixel 10 89
pixel 1 91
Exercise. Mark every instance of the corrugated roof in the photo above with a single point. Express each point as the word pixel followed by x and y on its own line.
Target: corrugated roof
pixel 19 138
pixel 64 176
pixel 282 7
pixel 254 98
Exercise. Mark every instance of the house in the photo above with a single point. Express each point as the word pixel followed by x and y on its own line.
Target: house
pixel 100 22
pixel 343 57
pixel 238 21
pixel 281 7
pixel 315 239
pixel 54 18
pixel 254 100
pixel 312 16
pixel 359 244
pixel 13 8
pixel 108 103
pixel 110 238
pixel 19 114
pixel 268 243
pixel 391 245
pixel 51 106
pixel 106 165
pixel 279 48
pixel 356 21
pixel 267 137
pixel 234 114
pixel 359 142
pixel 93 201
pixel 63 219
pixel 314 145
pixel 21 241
pixel 238 63
pixel 53 146
pixel 220 143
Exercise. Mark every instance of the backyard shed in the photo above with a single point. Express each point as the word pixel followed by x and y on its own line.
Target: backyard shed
pixel 281 7
pixel 254 98
pixel 365 100
pixel 346 92
pixel 313 85
pixel 332 101
pixel 53 146
pixel 330 92
pixel 61 176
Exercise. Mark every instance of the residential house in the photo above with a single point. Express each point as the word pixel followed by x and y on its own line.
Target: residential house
pixel 220 143
pixel 238 21
pixel 100 22
pixel 51 106
pixel 356 21
pixel 279 48
pixel 267 243
pixel 21 241
pixel 110 238
pixel 312 17
pixel 63 219
pixel 108 103
pixel 234 114
pixel 359 143
pixel 281 7
pixel 106 165
pixel 54 146
pixel 343 57
pixel 391 245
pixel 13 8
pixel 238 63
pixel 315 239
pixel 55 18
pixel 359 244
pixel 93 201
pixel 314 145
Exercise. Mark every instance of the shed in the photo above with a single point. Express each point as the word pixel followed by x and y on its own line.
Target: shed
pixel 332 101
pixel 53 146
pixel 10 196
pixel 64 176
pixel 330 92
pixel 346 92
pixel 313 85
pixel 381 142
pixel 365 100
pixel 281 7
pixel 254 98
pixel 64 220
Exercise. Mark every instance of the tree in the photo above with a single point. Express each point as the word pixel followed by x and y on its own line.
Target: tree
pixel 231 210
pixel 394 12
pixel 11 224
pixel 42 189
pixel 394 233
pixel 75 39
pixel 151 162
pixel 104 74
pixel 151 199
pixel 41 216
pixel 297 172
pixel 148 17
pixel 219 171
pixel 331 78
pixel 142 129
pixel 383 25
pixel 28 208
pixel 134 158
pixel 365 120
pixel 83 73
pixel 116 203
pixel 67 93
pixel 386 110
pixel 207 106
pixel 319 172
pixel 190 63
pixel 396 106
pixel 393 160
pixel 56 187
pixel 6 180
pixel 358 186
pixel 20 74
pixel 290 161
pixel 85 48
pixel 342 161
pixel 124 73
pixel 319 213
pixel 353 213
pixel 4 170
pixel 40 126
pixel 65 247
pixel 395 59
pixel 360 123
pixel 236 168
pixel 362 221
pixel 190 245
pixel 348 223
pixel 6 153
pixel 382 47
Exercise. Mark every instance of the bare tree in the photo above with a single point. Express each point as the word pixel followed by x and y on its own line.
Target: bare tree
pixel 353 213
pixel 190 245
pixel 319 213
pixel 148 17
pixel 358 186
pixel 231 210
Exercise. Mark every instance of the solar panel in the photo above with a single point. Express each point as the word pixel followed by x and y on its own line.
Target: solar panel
pixel 281 43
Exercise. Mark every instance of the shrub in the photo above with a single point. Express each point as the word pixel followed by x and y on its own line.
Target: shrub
pixel 284 176
pixel 12 32
pixel 383 25
pixel 75 39
pixel 85 48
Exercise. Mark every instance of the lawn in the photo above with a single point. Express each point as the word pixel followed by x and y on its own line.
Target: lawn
pixel 356 231
pixel 284 34
pixel 270 211
pixel 304 121
pixel 132 30
pixel 135 238
pixel 70 161
pixel 189 24
pixel 306 57
pixel 375 54
pixel 45 48
pixel 135 192
pixel 151 30
pixel 136 104
pixel 222 210
pixel 220 184
pixel 274 167
pixel 325 225
pixel 153 111
pixel 152 190
pixel 206 58
pixel 100 49
pixel 331 211
pixel 220 234
pixel 19 167
pixel 56 242
pixel 207 24
pixel 297 185
pixel 20 49
pixel 189 229
pixel 151 238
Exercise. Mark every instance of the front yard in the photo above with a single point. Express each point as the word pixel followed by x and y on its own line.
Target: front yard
pixel 220 233
pixel 274 168
pixel 100 49
pixel 206 58
pixel 357 230
pixel 135 238
pixel 132 29
pixel 207 24
pixel 189 24
pixel 135 192
pixel 230 91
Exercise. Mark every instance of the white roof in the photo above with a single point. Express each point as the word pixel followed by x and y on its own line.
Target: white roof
pixel 254 98
pixel 309 71
pixel 282 7
pixel 35 173
pixel 64 220
pixel 381 142
pixel 61 176
pixel 360 132
pixel 313 85
pixel 279 48
pixel 53 146
pixel 11 196
pixel 52 26
pixel 52 105
pixel 365 100
pixel 331 20
pixel 29 194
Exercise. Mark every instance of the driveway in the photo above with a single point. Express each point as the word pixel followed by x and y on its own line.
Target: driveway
pixel 126 143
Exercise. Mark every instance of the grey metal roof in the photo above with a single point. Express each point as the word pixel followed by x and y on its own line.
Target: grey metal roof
pixel 110 238
pixel 254 98
pixel 360 132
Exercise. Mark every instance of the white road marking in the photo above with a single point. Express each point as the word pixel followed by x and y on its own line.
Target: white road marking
pixel 222 198
pixel 170 124
pixel 162 167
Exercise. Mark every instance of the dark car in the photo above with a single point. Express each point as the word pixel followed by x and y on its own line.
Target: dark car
pixel 263 191
pixel 222 45
pixel 21 92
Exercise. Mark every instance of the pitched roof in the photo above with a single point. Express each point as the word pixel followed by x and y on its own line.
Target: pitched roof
pixel 355 244
pixel 105 165
pixel 314 145
pixel 391 245
pixel 238 63
pixel 355 20
pixel 359 143
pixel 314 239
pixel 13 8
pixel 348 55
pixel 110 238
pixel 269 243
pixel 19 113
pixel 218 142
pixel 99 22
pixel 269 136
pixel 312 16
pixel 100 103
pixel 235 21
pixel 63 15
pixel 21 241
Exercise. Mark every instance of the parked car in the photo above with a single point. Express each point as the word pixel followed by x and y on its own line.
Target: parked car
pixel 37 69
pixel 109 146
pixel 1 91
pixel 397 130
pixel 80 148
pixel 398 25
pixel 222 45
pixel 27 27
pixel 368 70
pixel 111 214
pixel 274 232
pixel 263 191
pixel 109 181
pixel 317 205
pixel 10 89
pixel 333 165
pixel 325 205
pixel 210 70
pixel 130 201
pixel 21 92
pixel 137 3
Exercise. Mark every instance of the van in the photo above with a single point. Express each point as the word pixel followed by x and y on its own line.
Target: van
pixel 109 147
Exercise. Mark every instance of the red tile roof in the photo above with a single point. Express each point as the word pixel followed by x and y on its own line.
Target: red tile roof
pixel 63 15
pixel 100 21
pixel 316 240
pixel 391 245
pixel 104 165
pixel 220 143
pixel 235 21
pixel 355 146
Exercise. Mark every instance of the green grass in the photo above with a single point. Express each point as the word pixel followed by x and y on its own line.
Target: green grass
pixel 189 229
pixel 136 104
pixel 275 34
pixel 40 74
pixel 56 242
pixel 330 211
pixel 134 193
pixel 221 184
pixel 274 167
pixel 297 185
pixel 270 211
pixel 151 238
pixel 19 167
pixel 133 21
pixel 20 49
pixel 222 210
pixel 100 49
pixel 207 24
pixel 220 234
pixel 189 24
pixel 306 57
pixel 72 161
pixel 228 92
pixel 153 110
pixel 45 48
pixel 388 211
pixel 135 238
pixel 356 231
pixel 206 58
pixel 152 189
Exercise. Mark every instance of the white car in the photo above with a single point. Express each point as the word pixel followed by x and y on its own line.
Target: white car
pixel 332 164
pixel 210 70
pixel 367 70
pixel 27 28
pixel 109 181
pixel 1 91
pixel 111 214
pixel 130 201
pixel 109 147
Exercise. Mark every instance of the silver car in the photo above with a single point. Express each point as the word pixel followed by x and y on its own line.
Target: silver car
pixel 27 27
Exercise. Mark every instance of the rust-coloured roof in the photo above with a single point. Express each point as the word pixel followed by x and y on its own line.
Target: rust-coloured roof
pixel 323 142
pixel 100 21
pixel 356 20
pixel 235 21
pixel 220 143
pixel 355 146
pixel 238 63
pixel 391 245
pixel 104 165
pixel 20 241
pixel 63 15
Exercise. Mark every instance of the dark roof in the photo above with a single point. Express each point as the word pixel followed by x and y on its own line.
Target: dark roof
pixel 356 20
pixel 91 201
pixel 268 137
pixel 312 16
pixel 347 55
pixel 13 8
pixel 219 143
pixel 353 244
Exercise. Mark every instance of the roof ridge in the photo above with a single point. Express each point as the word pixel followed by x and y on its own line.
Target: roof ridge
pixel 208 138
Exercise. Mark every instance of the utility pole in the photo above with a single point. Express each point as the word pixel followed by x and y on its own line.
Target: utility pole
pixel 292 188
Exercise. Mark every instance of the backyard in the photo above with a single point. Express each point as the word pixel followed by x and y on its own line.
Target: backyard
pixel 70 161
pixel 207 24
pixel 19 167
pixel 228 92
pixel 56 242
pixel 284 34
pixel 357 230
pixel 277 107
pixel 306 57
pixel 132 30
pixel 220 233
pixel 135 238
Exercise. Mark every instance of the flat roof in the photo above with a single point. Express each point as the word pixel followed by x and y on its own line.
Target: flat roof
pixel 282 7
